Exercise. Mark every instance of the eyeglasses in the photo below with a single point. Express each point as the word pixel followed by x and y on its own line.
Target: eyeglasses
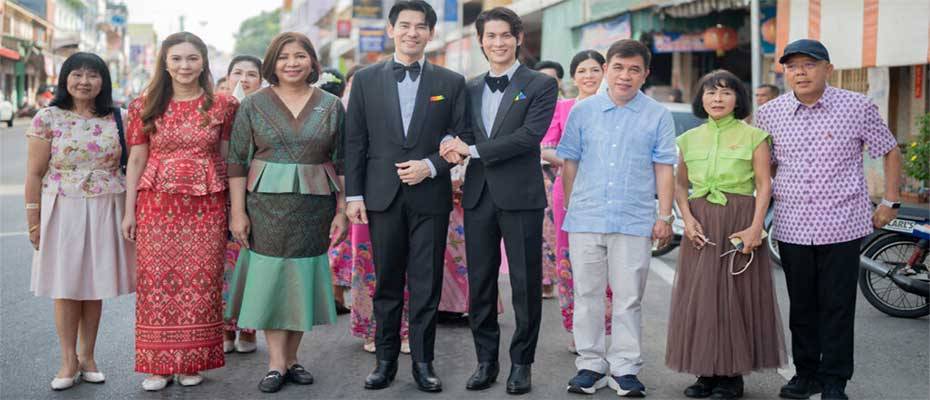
pixel 807 66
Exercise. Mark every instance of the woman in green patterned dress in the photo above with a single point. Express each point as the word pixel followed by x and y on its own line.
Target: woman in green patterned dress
pixel 285 176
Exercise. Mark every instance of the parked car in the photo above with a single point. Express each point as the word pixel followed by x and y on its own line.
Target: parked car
pixel 6 112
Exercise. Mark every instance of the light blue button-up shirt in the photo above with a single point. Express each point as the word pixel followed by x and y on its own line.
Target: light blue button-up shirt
pixel 616 147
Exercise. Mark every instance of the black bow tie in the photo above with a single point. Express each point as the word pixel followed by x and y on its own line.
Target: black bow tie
pixel 401 70
pixel 497 84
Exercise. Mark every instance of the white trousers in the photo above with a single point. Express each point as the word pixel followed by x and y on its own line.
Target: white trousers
pixel 623 261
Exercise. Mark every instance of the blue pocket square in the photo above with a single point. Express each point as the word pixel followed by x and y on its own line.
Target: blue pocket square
pixel 519 97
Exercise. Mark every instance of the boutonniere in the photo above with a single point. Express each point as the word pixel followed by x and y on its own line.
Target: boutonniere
pixel 520 96
pixel 436 98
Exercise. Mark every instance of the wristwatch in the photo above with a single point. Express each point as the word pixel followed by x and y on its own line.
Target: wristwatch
pixel 891 204
pixel 668 219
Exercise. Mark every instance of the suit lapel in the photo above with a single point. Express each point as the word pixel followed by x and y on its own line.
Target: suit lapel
pixel 392 103
pixel 510 93
pixel 424 91
pixel 476 93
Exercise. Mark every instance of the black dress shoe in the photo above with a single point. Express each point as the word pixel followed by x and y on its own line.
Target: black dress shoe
pixel 341 309
pixel 272 382
pixel 425 377
pixel 299 375
pixel 703 388
pixel 728 387
pixel 800 387
pixel 520 380
pixel 382 376
pixel 836 391
pixel 484 376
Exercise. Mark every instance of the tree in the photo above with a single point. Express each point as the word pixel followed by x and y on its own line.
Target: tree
pixel 256 33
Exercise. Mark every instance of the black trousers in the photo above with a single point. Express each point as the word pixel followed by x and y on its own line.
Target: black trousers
pixel 406 244
pixel 485 225
pixel 822 288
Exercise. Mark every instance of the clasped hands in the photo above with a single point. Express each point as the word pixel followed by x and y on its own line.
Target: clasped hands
pixel 454 150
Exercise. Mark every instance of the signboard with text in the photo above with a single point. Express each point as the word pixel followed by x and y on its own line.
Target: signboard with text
pixel 371 40
pixel 600 35
pixel 678 43
pixel 367 9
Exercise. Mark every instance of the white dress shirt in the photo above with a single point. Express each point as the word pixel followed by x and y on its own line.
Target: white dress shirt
pixel 490 103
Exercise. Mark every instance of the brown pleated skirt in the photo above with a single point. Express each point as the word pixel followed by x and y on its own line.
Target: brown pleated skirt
pixel 721 324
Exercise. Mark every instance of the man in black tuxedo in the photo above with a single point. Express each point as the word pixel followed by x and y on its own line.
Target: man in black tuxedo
pixel 396 182
pixel 511 107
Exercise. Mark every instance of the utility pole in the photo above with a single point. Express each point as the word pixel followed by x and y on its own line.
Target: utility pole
pixel 756 48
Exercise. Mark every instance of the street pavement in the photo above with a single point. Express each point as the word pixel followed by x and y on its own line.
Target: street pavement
pixel 891 354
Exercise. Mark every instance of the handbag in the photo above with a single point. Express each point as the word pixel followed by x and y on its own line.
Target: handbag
pixel 124 154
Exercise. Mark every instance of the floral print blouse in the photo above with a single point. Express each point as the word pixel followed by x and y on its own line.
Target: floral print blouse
pixel 85 153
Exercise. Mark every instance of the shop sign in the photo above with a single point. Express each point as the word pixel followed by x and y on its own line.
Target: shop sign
pixel 600 35
pixel 371 40
pixel 678 43
pixel 367 9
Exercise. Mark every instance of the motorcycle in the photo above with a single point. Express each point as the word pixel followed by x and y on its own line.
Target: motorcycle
pixel 894 276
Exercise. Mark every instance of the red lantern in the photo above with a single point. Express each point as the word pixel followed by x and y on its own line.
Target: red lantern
pixel 721 39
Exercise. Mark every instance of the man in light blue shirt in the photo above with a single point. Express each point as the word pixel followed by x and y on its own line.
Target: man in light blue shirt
pixel 619 152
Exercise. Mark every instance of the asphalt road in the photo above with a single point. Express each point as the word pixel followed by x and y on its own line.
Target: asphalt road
pixel 891 354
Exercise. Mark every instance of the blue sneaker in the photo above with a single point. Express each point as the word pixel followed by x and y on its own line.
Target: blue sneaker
pixel 627 386
pixel 587 382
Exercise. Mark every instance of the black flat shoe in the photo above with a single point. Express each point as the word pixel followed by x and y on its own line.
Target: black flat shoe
pixel 520 380
pixel 382 376
pixel 728 387
pixel 425 377
pixel 272 382
pixel 800 387
pixel 484 376
pixel 703 388
pixel 299 375
pixel 341 309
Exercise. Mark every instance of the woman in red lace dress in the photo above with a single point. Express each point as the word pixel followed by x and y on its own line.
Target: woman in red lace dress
pixel 176 212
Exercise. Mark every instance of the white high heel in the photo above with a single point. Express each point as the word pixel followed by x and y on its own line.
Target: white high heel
pixel 243 346
pixel 66 383
pixel 190 380
pixel 228 346
pixel 93 377
pixel 155 383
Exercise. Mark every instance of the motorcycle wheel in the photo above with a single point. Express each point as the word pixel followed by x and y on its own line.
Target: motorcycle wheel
pixel 772 244
pixel 881 292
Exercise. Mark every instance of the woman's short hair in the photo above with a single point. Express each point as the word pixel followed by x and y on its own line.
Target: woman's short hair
pixel 583 56
pixel 722 78
pixel 103 103
pixel 275 48
pixel 559 71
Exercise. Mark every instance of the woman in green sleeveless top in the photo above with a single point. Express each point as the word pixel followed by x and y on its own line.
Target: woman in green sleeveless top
pixel 724 320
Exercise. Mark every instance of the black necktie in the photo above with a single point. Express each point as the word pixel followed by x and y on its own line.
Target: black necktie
pixel 497 84
pixel 400 71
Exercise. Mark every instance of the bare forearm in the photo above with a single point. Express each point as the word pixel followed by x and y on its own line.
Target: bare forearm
pixel 569 171
pixel 665 187
pixel 763 196
pixel 892 170
pixel 341 195
pixel 134 168
pixel 237 194
pixel 33 195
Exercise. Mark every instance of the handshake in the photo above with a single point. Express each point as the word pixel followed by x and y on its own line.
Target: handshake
pixel 454 151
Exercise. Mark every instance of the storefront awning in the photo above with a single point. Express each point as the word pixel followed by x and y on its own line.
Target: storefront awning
pixel 9 54
pixel 699 8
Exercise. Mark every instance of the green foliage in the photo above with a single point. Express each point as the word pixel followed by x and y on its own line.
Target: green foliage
pixel 256 33
pixel 917 155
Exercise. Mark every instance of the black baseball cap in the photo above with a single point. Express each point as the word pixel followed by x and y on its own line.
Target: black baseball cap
pixel 806 47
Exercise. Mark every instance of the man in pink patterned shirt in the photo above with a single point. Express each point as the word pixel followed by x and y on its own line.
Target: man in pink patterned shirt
pixel 822 210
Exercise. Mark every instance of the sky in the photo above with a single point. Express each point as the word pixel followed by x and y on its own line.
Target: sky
pixel 214 21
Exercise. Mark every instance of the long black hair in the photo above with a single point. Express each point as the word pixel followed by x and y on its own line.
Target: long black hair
pixel 103 103
pixel 336 88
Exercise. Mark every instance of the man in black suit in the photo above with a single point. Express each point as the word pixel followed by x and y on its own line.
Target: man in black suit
pixel 511 107
pixel 396 181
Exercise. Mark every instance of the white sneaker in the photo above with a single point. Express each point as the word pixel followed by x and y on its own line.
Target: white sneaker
pixel 228 346
pixel 93 377
pixel 154 383
pixel 243 346
pixel 369 347
pixel 190 380
pixel 66 383
pixel 405 347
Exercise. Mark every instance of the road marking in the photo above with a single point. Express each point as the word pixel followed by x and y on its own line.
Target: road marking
pixel 10 190
pixel 667 274
pixel 662 269
pixel 8 234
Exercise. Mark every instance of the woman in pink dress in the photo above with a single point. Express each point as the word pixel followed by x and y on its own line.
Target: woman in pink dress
pixel 587 71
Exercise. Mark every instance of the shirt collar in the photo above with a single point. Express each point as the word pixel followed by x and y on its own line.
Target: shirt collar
pixel 722 123
pixel 823 101
pixel 422 61
pixel 635 105
pixel 510 71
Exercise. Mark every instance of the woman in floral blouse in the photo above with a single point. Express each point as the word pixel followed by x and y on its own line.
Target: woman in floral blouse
pixel 75 193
